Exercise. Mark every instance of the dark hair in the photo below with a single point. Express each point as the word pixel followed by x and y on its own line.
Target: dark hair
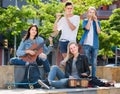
pixel 28 32
pixel 68 4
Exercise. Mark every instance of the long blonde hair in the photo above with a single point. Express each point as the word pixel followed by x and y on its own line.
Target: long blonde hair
pixel 69 54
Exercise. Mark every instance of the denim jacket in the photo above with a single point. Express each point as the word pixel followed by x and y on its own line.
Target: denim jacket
pixel 95 34
pixel 28 43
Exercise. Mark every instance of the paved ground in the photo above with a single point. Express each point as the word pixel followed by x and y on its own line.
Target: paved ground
pixel 59 91
pixel 43 91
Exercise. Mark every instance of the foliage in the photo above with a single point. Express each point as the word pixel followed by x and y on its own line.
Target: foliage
pixel 110 35
pixel 115 20
pixel 14 20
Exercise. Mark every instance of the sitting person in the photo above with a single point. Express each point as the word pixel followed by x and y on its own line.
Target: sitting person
pixel 27 42
pixel 76 66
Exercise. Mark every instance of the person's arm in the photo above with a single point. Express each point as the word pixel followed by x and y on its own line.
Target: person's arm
pixel 21 51
pixel 50 47
pixel 97 25
pixel 73 24
pixel 86 66
pixel 87 27
pixel 72 27
pixel 67 70
pixel 55 27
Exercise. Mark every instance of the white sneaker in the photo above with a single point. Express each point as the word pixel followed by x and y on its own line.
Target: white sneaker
pixel 43 84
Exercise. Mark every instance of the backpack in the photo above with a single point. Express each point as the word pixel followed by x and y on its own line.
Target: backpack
pixel 32 74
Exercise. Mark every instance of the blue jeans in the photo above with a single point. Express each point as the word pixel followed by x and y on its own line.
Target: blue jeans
pixel 45 64
pixel 91 54
pixel 19 61
pixel 62 82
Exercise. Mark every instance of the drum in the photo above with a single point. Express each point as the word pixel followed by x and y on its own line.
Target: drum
pixel 84 82
pixel 78 82
pixel 72 82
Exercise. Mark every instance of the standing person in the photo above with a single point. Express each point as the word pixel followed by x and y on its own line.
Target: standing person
pixel 27 42
pixel 68 24
pixel 89 40
pixel 76 67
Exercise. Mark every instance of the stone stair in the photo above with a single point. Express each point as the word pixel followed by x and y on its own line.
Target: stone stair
pixel 11 74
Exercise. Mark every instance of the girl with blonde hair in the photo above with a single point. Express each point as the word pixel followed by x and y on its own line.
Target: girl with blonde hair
pixel 76 67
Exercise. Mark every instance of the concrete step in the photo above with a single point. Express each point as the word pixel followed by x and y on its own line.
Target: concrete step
pixel 109 72
pixel 11 73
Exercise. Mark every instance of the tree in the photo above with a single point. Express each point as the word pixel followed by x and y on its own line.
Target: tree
pixel 110 35
pixel 115 20
pixel 14 20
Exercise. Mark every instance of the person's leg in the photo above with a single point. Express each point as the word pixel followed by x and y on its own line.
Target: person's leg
pixel 17 61
pixel 62 83
pixel 94 61
pixel 56 72
pixel 39 61
pixel 45 64
pixel 87 52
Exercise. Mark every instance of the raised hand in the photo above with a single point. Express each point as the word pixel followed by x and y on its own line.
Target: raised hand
pixel 31 52
pixel 95 18
pixel 43 56
pixel 58 15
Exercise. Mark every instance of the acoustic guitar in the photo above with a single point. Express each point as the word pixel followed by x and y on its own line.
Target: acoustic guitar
pixel 37 49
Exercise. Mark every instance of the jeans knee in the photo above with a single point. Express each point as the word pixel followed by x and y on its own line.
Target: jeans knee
pixel 11 61
pixel 55 67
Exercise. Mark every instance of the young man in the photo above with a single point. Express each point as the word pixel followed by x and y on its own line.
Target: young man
pixel 68 24
pixel 89 40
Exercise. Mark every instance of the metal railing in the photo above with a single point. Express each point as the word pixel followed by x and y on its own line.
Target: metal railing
pixel 117 55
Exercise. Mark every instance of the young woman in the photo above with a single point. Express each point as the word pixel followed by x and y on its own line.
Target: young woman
pixel 76 66
pixel 30 39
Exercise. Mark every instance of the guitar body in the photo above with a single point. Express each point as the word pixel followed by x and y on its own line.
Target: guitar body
pixel 32 58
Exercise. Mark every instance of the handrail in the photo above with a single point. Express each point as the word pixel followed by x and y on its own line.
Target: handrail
pixel 116 55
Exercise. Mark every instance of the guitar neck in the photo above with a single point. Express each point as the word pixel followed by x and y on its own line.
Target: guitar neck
pixel 41 44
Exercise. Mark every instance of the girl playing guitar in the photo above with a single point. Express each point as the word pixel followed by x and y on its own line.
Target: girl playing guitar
pixel 25 48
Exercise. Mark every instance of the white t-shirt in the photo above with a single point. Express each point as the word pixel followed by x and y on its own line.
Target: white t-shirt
pixel 67 33
pixel 89 38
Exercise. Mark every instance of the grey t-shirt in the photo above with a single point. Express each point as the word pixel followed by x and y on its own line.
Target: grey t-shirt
pixel 74 70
